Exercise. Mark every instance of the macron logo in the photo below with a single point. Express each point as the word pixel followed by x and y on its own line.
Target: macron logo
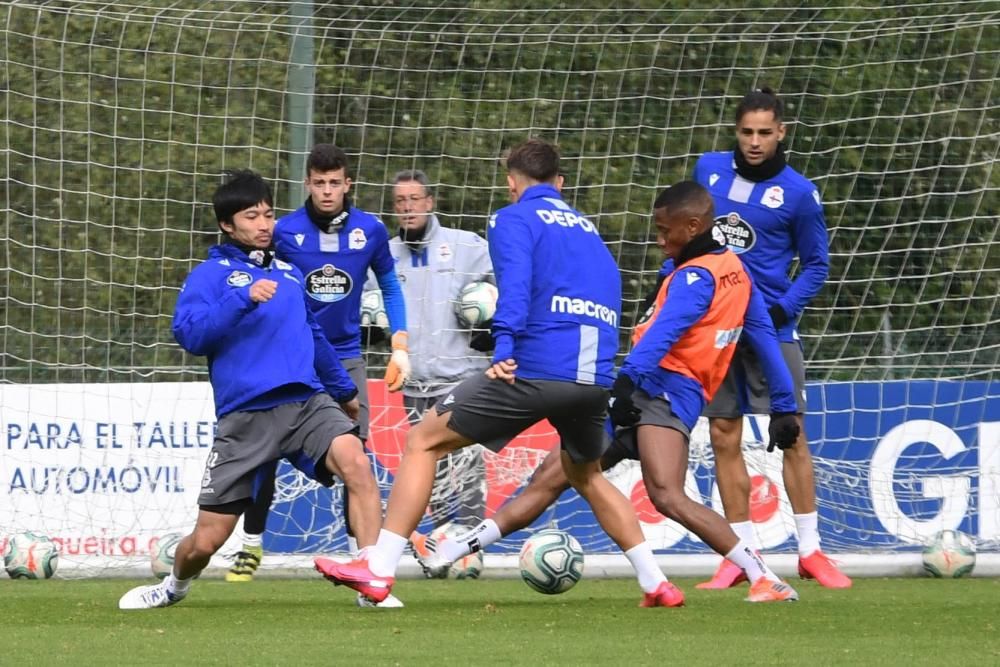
pixel 564 304
pixel 299 238
pixel 692 277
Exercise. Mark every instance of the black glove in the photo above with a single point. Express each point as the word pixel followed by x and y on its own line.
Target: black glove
pixel 372 336
pixel 621 408
pixel 783 430
pixel 482 338
pixel 778 316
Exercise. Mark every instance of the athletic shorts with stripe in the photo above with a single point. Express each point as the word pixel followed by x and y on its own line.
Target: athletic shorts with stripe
pixel 247 443
pixel 493 413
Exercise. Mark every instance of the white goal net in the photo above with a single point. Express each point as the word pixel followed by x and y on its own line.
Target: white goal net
pixel 118 119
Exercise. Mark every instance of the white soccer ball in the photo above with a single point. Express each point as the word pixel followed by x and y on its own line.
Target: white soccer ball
pixel 951 554
pixel 551 562
pixel 161 558
pixel 476 303
pixel 373 310
pixel 466 567
pixel 30 556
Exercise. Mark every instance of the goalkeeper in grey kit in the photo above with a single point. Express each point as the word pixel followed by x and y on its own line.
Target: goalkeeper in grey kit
pixel 434 263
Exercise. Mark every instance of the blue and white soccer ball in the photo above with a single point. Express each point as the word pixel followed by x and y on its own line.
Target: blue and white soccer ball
pixel 950 554
pixel 161 559
pixel 373 310
pixel 30 556
pixel 551 562
pixel 476 303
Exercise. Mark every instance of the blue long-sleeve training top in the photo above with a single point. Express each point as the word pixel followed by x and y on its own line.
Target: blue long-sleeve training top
pixel 560 291
pixel 335 267
pixel 255 348
pixel 768 224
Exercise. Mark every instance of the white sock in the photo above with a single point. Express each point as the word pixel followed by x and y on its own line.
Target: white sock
pixel 647 571
pixel 384 557
pixel 747 559
pixel 252 540
pixel 807 528
pixel 352 545
pixel 177 586
pixel 480 537
pixel 744 530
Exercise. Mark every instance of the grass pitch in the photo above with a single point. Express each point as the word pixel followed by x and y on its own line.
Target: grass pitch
pixel 306 622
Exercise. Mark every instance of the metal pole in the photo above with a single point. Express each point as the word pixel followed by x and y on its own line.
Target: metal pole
pixel 301 85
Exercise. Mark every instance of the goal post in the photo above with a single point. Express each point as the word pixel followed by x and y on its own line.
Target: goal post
pixel 119 118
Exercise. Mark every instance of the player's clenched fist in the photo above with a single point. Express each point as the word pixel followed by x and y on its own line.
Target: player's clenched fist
pixel 263 290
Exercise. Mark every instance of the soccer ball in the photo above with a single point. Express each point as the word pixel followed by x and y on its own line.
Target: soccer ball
pixel 373 310
pixel 951 554
pixel 161 559
pixel 477 302
pixel 551 562
pixel 30 556
pixel 466 567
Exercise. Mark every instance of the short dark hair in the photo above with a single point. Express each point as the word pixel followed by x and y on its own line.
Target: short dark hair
pixel 240 190
pixel 327 157
pixel 535 158
pixel 762 99
pixel 412 176
pixel 687 196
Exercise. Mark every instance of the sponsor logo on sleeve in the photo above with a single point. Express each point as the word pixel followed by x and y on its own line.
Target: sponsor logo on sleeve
pixel 239 279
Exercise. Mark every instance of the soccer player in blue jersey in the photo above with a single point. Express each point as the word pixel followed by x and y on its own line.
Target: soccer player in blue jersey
pixel 276 381
pixel 683 346
pixel 556 334
pixel 333 244
pixel 770 214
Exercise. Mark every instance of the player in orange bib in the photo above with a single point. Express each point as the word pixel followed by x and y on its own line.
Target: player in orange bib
pixel 682 349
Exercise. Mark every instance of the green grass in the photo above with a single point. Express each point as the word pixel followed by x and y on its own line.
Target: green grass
pixel 288 622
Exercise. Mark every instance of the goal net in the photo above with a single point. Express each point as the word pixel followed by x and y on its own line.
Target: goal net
pixel 118 119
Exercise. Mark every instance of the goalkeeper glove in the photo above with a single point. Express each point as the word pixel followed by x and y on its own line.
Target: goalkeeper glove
pixel 482 338
pixel 398 369
pixel 783 431
pixel 620 406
